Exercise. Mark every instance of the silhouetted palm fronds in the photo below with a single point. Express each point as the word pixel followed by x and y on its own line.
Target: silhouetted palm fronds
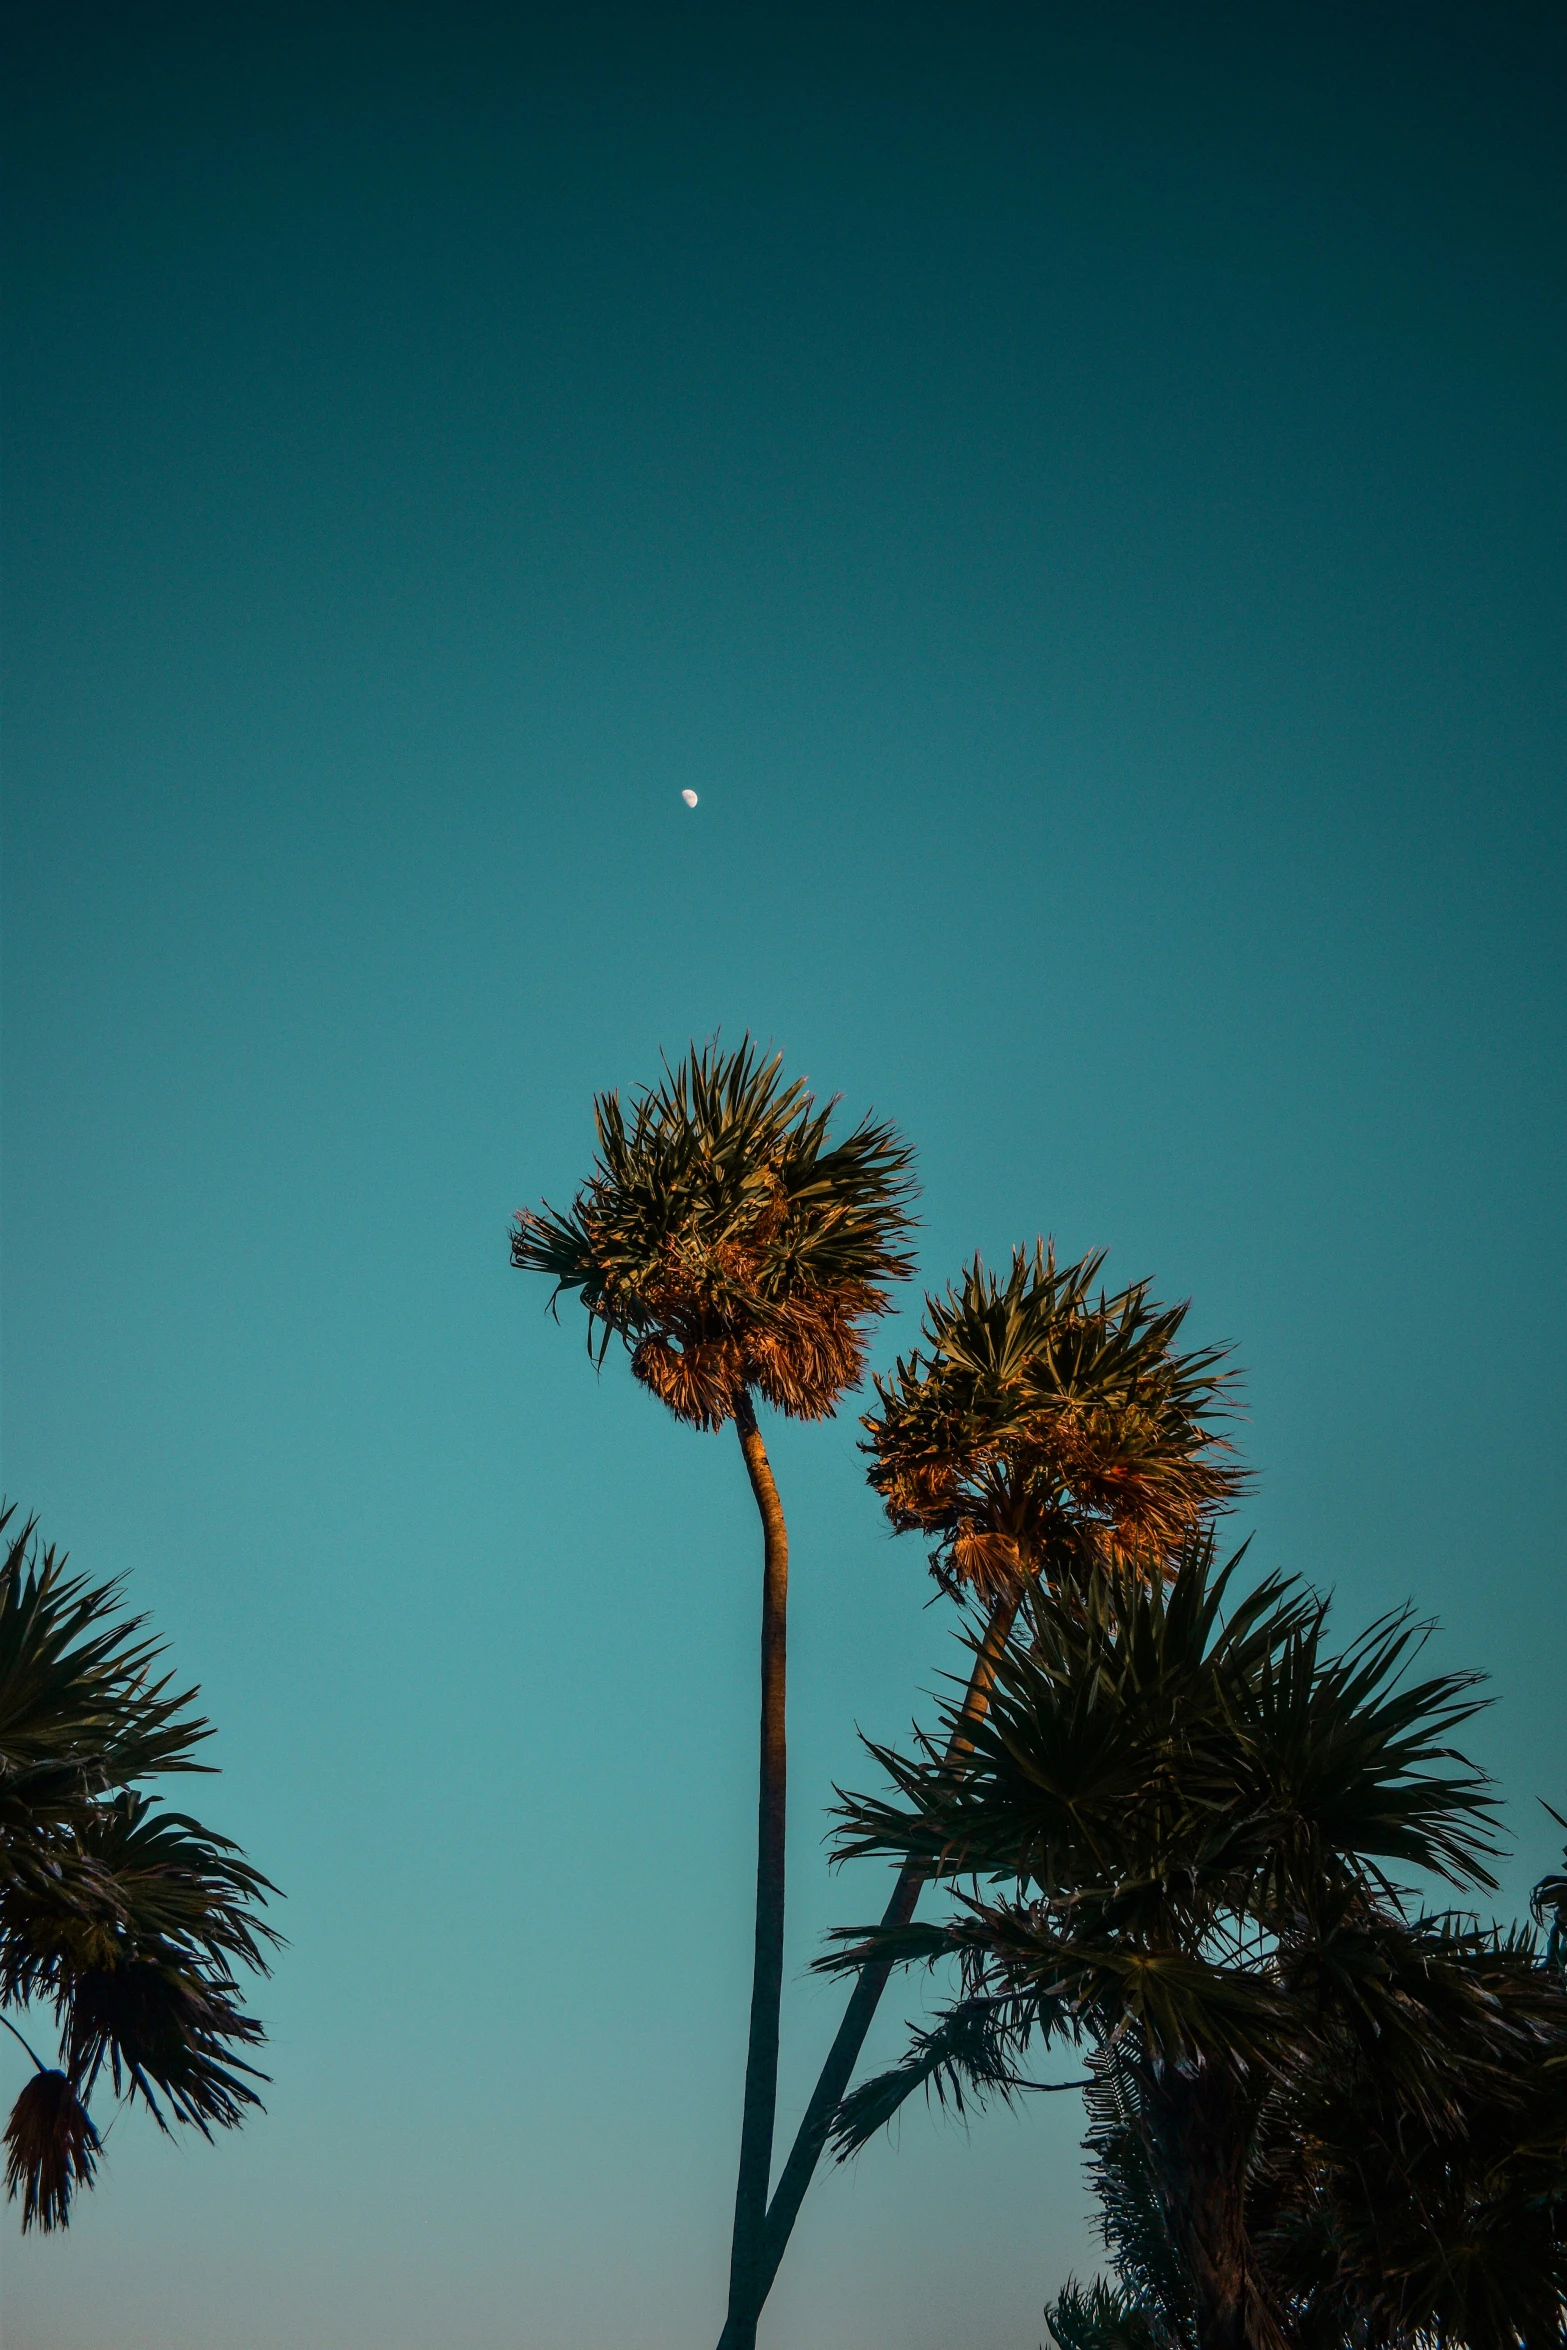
pixel 127 1921
pixel 1178 1839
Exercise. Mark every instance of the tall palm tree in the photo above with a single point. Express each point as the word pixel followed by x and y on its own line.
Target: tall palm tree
pixel 1039 1429
pixel 127 1921
pixel 1201 1817
pixel 736 1251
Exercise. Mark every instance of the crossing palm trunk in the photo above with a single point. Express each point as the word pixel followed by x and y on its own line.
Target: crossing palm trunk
pixel 761 2064
pixel 740 2327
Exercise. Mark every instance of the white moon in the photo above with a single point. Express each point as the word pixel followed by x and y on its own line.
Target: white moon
pixel 689 797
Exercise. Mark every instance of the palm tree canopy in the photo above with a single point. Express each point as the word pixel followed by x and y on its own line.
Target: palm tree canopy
pixel 1182 1828
pixel 1379 2219
pixel 727 1241
pixel 129 1921
pixel 1198 1810
pixel 1394 2203
pixel 1041 1425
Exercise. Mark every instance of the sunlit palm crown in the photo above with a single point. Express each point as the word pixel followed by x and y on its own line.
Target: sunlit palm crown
pixel 727 1242
pixel 1040 1426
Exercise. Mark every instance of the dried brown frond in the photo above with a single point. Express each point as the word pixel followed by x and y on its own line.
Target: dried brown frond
pixel 697 1381
pixel 51 2150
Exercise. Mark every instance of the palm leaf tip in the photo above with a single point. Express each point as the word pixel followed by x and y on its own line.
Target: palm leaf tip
pixel 52 2150
pixel 728 1241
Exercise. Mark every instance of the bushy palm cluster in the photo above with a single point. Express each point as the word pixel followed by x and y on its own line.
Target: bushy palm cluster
pixel 1181 1840
pixel 127 1922
pixel 1039 1427
pixel 1179 1826
pixel 727 1241
pixel 1387 2206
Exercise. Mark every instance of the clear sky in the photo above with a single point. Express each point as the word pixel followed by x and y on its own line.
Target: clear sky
pixel 1078 492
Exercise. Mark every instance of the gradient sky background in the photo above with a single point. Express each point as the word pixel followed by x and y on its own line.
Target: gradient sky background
pixel 1079 494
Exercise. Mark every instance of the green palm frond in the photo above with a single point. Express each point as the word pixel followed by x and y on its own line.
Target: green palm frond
pixel 1133 2214
pixel 727 1240
pixel 82 1704
pixel 1169 1758
pixel 1102 2316
pixel 1196 1803
pixel 1412 2187
pixel 971 2054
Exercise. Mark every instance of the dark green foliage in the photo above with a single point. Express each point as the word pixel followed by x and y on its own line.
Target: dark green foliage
pixel 727 1242
pixel 128 1921
pixel 1315 2108
pixel 1102 2316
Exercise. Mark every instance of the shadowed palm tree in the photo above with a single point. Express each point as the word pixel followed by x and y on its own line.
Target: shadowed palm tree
pixel 1039 1430
pixel 1386 2208
pixel 127 1921
pixel 1392 2205
pixel 1198 1815
pixel 736 1250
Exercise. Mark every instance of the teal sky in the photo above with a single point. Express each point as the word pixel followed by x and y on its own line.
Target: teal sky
pixel 1079 493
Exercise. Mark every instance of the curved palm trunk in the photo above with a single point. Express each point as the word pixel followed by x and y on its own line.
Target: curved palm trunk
pixel 740 2328
pixel 761 2064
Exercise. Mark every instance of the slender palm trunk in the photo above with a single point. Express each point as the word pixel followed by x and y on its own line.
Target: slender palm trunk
pixel 761 2063
pixel 740 2328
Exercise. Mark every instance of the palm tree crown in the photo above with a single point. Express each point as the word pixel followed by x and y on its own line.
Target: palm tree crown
pixel 1041 1426
pixel 726 1242
pixel 131 1922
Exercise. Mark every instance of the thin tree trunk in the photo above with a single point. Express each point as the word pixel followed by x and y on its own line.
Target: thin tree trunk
pixel 1201 2127
pixel 761 2063
pixel 740 2329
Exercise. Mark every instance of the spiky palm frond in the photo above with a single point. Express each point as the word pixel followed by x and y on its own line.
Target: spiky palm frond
pixel 82 1705
pixel 1104 2316
pixel 969 2056
pixel 1196 1803
pixel 1172 1758
pixel 1039 1426
pixel 727 1241
pixel 129 1921
pixel 1133 2215
pixel 139 1960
